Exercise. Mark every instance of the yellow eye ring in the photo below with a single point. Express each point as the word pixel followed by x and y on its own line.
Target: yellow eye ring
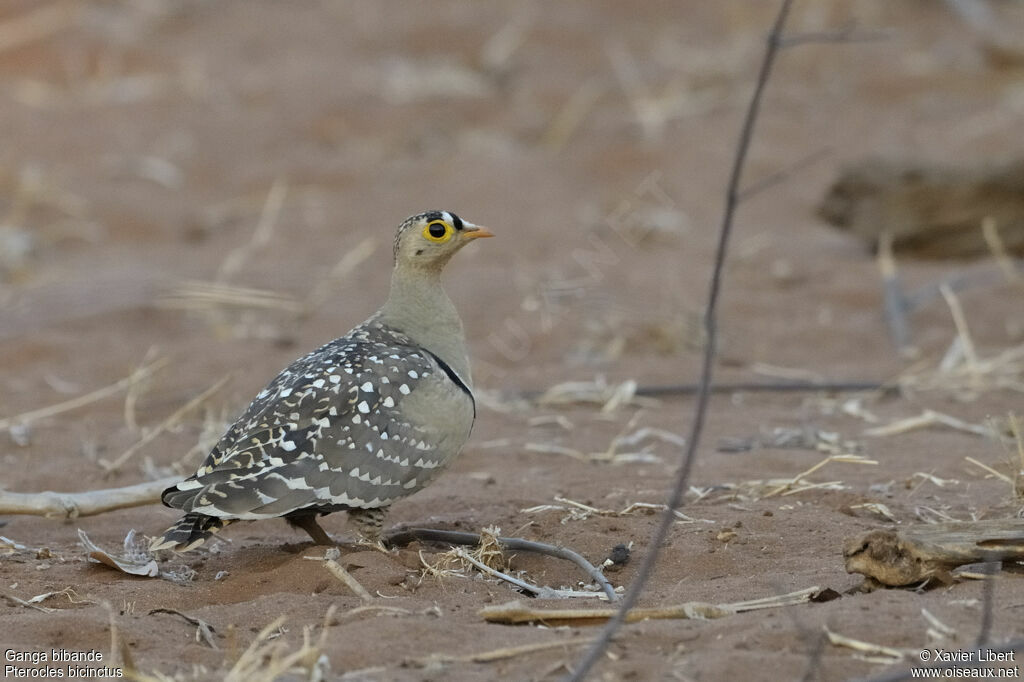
pixel 438 231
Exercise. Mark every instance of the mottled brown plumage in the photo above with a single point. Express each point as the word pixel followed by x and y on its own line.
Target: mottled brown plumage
pixel 360 422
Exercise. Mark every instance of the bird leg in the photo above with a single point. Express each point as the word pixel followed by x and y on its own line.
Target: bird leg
pixel 368 523
pixel 307 522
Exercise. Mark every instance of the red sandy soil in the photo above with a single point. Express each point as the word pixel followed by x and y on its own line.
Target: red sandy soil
pixel 141 140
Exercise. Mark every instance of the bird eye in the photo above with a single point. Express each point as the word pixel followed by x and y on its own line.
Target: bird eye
pixel 438 231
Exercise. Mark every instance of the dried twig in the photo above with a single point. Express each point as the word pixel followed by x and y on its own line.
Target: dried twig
pixel 515 613
pixel 339 572
pixel 74 505
pixel 15 601
pixel 83 400
pixel 579 511
pixel 892 294
pixel 407 535
pixel 787 487
pixel 204 631
pixel 962 330
pixel 496 654
pixel 929 418
pixel 167 423
pixel 658 391
pixel 261 235
pixel 206 296
pixel 353 258
pixel 536 590
pixel 268 657
pixel 999 252
pixel 891 655
pixel 580 103
pixel 599 391
pixel 1001 476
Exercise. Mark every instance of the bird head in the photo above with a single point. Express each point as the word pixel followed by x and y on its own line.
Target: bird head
pixel 428 240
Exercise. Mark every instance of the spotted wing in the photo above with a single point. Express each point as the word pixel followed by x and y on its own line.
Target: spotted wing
pixel 355 424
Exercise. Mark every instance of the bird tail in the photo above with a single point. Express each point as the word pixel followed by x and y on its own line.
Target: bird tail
pixel 189 532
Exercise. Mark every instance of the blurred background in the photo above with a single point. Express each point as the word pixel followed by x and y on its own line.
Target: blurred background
pixel 156 149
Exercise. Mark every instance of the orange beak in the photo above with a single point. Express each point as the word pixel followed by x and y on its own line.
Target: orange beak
pixel 476 232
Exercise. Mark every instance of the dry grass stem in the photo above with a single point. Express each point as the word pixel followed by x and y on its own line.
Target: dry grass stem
pixel 933 516
pixel 599 392
pixel 538 591
pixel 134 392
pixel 937 630
pixel 120 654
pixel 497 52
pixel 612 455
pixel 166 424
pixel 1001 476
pixel 260 236
pixel 83 400
pixel 68 592
pixel 568 119
pixel 963 371
pixel 1013 447
pixel 551 419
pixel 887 654
pixel 352 259
pixel 935 480
pixel 487 545
pixel 496 654
pixel 217 296
pixel 790 487
pixel 269 657
pixel 625 439
pixel 962 330
pixel 580 512
pixel 487 555
pixel 990 230
pixel 374 608
pixel 894 300
pixel 929 418
pixel 15 601
pixel 514 613
pixel 787 373
pixel 877 508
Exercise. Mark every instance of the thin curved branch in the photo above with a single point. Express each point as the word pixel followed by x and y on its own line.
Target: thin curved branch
pixel 453 537
pixel 675 499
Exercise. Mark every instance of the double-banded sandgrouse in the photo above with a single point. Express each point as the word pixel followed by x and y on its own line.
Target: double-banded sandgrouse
pixel 360 422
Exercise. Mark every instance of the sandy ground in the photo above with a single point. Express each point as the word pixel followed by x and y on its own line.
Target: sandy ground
pixel 141 140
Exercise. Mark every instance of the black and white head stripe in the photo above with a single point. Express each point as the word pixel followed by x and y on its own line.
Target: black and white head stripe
pixel 426 217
